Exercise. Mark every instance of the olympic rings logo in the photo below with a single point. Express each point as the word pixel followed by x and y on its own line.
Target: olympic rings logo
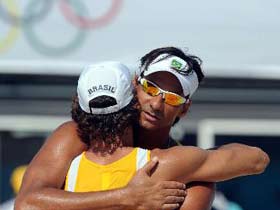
pixel 74 11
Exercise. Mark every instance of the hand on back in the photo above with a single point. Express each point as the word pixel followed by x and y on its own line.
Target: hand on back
pixel 152 194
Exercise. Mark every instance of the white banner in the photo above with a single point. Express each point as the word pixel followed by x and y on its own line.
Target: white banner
pixel 226 34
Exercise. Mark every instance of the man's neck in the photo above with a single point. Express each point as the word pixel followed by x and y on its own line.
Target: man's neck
pixel 152 139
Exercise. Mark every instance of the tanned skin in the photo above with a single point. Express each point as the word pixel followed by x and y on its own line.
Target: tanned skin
pixel 54 159
pixel 48 198
pixel 187 164
pixel 44 179
pixel 51 164
pixel 49 168
pixel 64 145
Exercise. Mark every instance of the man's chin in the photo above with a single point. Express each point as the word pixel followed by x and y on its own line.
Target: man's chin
pixel 148 125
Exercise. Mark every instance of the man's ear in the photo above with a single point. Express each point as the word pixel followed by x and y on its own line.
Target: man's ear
pixel 185 109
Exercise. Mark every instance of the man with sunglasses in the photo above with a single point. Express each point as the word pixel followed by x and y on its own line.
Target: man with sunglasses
pixel 166 75
pixel 179 75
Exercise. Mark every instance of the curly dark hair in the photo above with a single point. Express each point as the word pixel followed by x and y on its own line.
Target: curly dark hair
pixel 104 127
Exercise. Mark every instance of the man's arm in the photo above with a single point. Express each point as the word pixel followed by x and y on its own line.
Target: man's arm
pixel 44 178
pixel 187 164
pixel 200 196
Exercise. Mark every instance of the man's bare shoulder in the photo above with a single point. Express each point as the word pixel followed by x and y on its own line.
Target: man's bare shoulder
pixel 66 128
pixel 67 131
pixel 66 136
pixel 54 158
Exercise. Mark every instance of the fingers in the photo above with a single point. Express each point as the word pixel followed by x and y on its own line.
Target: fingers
pixel 170 206
pixel 173 185
pixel 174 200
pixel 175 192
pixel 148 167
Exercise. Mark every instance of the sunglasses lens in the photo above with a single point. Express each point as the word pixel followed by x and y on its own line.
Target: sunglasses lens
pixel 174 99
pixel 150 89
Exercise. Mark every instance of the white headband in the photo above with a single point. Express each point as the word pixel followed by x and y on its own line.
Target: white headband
pixel 178 67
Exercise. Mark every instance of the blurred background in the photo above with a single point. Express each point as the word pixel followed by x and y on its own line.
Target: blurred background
pixel 45 43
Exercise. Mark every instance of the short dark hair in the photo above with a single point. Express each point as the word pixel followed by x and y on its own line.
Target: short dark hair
pixel 104 127
pixel 193 61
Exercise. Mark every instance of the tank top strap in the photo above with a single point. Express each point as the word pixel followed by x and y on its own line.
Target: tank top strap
pixel 73 173
pixel 143 156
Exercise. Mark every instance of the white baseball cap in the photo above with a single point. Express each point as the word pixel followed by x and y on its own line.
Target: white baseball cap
pixel 178 67
pixel 105 79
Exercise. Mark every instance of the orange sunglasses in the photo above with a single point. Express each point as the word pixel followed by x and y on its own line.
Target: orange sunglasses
pixel 153 90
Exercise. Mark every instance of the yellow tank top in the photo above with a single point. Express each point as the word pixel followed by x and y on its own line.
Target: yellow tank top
pixel 85 175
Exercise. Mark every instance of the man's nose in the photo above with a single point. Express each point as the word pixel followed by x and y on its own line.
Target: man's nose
pixel 157 102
